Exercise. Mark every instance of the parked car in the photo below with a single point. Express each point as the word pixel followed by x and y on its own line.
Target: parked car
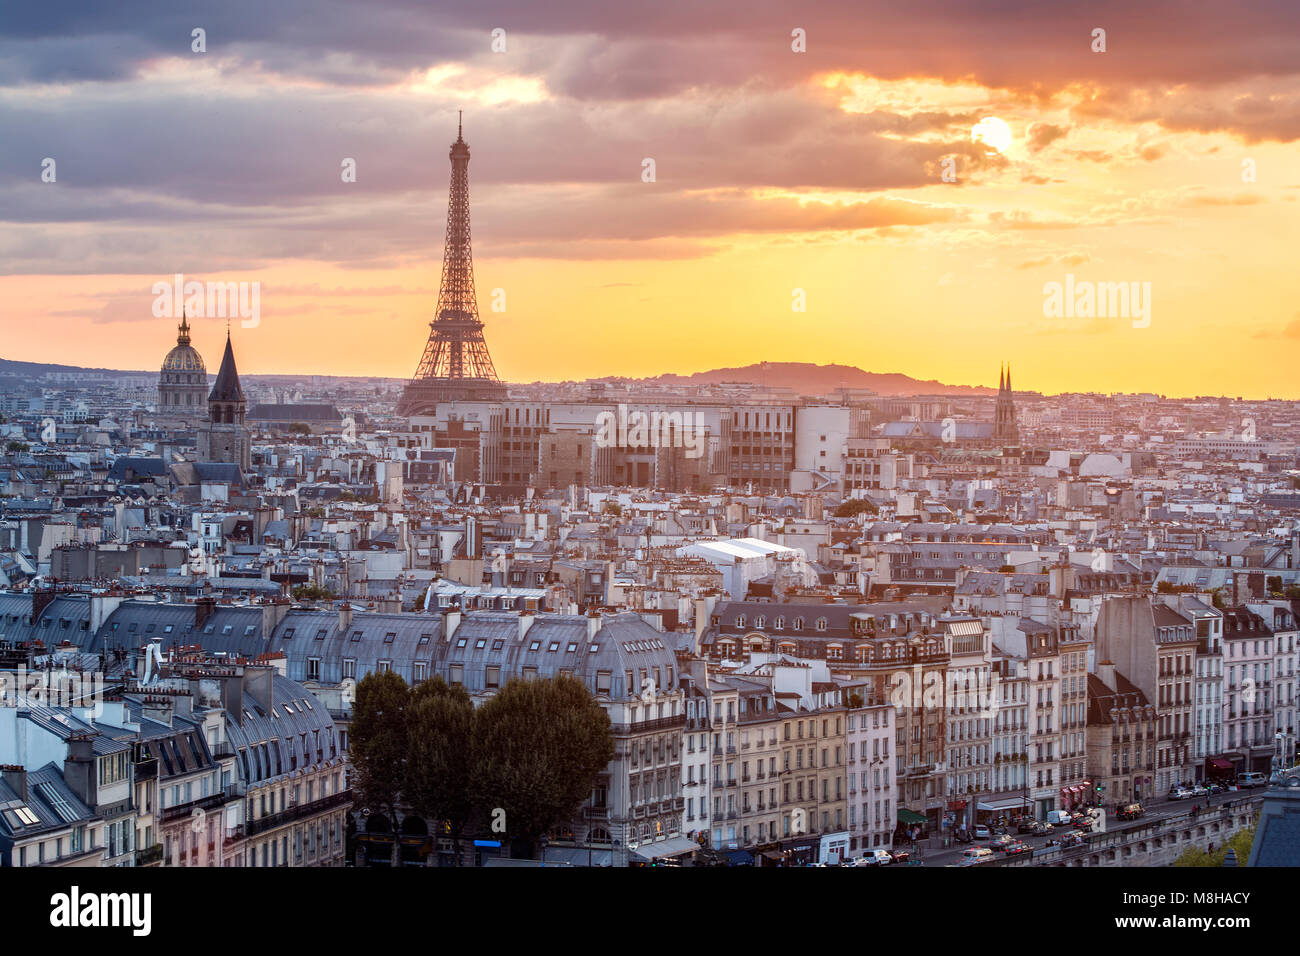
pixel 1017 847
pixel 1249 781
pixel 1216 787
pixel 902 856
pixel 1200 791
pixel 975 855
pixel 1034 827
pixel 1130 812
pixel 1179 793
pixel 982 832
pixel 877 857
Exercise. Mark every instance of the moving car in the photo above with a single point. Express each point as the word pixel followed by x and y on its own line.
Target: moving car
pixel 1016 848
pixel 1179 793
pixel 1034 827
pixel 1248 781
pixel 1130 812
pixel 1059 817
pixel 982 832
pixel 901 856
pixel 1200 791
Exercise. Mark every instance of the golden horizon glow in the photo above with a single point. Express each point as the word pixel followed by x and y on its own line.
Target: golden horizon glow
pixel 942 280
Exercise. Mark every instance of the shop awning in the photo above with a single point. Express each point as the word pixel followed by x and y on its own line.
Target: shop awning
pixel 1219 763
pixel 578 856
pixel 740 858
pixel 674 846
pixel 1009 803
pixel 907 816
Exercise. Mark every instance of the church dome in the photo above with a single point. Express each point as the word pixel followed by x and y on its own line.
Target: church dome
pixel 184 357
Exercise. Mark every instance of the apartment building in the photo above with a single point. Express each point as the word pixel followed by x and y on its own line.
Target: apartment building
pixel 1009 786
pixel 1076 785
pixel 869 737
pixel 1122 735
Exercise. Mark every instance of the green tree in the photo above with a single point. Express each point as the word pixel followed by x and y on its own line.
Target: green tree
pixel 379 743
pixel 612 508
pixel 439 725
pixel 299 428
pixel 538 746
pixel 312 592
pixel 855 506
pixel 15 446
pixel 1241 841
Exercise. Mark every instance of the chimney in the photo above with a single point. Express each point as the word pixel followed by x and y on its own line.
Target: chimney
pixel 526 619
pixel 40 601
pixel 594 624
pixel 259 685
pixel 203 609
pixel 1106 673
pixel 78 768
pixel 345 616
pixel 16 776
pixel 158 709
pixel 450 621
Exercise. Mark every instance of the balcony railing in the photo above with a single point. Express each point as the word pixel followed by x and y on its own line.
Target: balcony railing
pixel 299 812
pixel 149 855
pixel 210 802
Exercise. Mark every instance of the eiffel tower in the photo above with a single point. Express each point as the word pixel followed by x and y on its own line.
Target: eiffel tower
pixel 455 365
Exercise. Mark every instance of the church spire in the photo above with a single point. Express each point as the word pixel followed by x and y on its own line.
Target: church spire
pixel 227 388
pixel 1001 376
pixel 183 330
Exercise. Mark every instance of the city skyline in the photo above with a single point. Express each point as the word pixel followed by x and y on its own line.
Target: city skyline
pixel 799 158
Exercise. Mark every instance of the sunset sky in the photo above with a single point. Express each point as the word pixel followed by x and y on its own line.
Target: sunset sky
pixel 775 170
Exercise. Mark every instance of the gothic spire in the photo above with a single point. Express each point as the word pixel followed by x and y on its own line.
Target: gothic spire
pixel 227 388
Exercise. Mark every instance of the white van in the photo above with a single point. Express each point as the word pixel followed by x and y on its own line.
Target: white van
pixel 1059 817
pixel 973 855
pixel 1248 781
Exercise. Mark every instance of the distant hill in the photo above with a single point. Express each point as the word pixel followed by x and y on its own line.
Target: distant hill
pixel 806 378
pixel 37 369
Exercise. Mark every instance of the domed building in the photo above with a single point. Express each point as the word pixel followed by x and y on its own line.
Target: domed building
pixel 183 381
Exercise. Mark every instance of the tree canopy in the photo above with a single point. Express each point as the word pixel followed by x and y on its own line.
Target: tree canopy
pixel 855 506
pixel 531 752
pixel 439 725
pixel 538 745
pixel 379 740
